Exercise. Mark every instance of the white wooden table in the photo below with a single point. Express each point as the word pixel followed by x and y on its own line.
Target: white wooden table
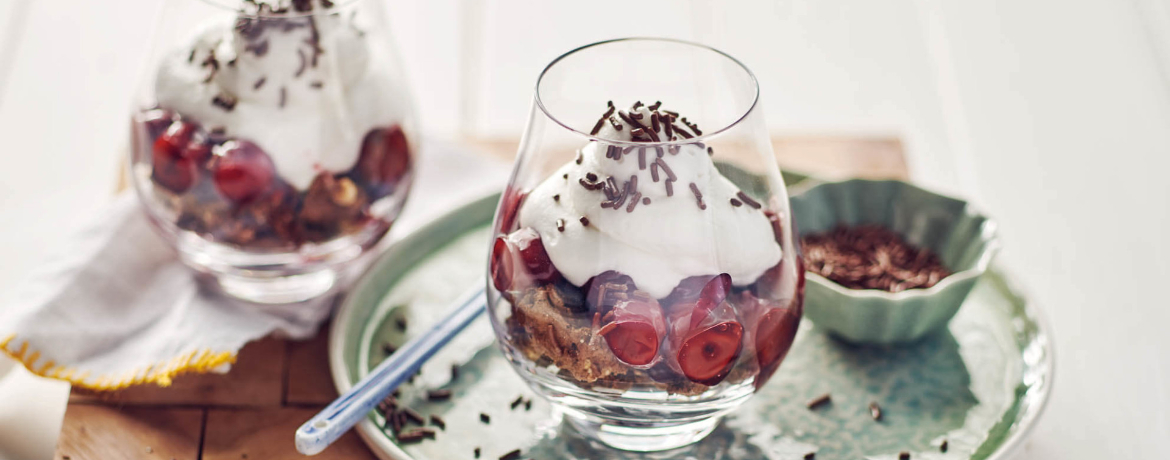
pixel 1053 114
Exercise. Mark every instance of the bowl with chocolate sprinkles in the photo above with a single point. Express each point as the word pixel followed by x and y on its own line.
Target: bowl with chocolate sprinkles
pixel 886 261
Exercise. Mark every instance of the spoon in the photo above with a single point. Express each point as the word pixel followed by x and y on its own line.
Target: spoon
pixel 350 408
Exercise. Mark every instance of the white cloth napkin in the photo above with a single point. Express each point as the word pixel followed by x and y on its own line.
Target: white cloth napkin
pixel 116 308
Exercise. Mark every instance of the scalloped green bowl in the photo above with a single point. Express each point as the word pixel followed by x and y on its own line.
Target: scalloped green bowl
pixel 964 240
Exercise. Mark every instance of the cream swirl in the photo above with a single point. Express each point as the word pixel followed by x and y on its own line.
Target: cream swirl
pixel 661 239
pixel 305 89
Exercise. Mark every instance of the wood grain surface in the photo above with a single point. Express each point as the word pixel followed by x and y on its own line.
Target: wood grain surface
pixel 275 385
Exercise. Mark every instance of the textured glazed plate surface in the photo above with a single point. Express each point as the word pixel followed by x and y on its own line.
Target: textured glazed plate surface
pixel 980 385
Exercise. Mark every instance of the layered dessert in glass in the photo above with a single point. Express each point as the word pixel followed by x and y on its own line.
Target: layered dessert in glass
pixel 647 280
pixel 274 141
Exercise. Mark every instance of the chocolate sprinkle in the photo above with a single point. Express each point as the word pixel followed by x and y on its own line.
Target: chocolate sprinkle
pixel 561 225
pixel 616 125
pixel 439 422
pixel 454 371
pixel 528 405
pixel 698 195
pixel 659 150
pixel 871 257
pixel 810 456
pixel 557 197
pixel 579 158
pixel 400 322
pixel 303 63
pixel 875 411
pixel 666 169
pixel 669 188
pixel 591 186
pixel 517 401
pixel 654 121
pixel 646 201
pixel 682 133
pixel 513 455
pixel 642 158
pixel 413 415
pixel 566 176
pixel 634 201
pixel 416 435
pixel 259 83
pixel 476 452
pixel 654 171
pixel 224 101
pixel 597 128
pixel 903 455
pixel 191 57
pixel 736 203
pixel 655 105
pixel 283 96
pixel 668 129
pixel 820 401
pixel 943 447
pixel 259 49
pixel 316 85
pixel 747 199
pixel 584 221
pixel 592 177
pixel 710 151
pixel 439 395
pixel 485 418
pixel 388 348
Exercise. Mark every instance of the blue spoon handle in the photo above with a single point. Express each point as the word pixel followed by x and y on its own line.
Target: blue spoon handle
pixel 349 409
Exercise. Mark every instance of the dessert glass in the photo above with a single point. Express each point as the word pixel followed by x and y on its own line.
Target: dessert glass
pixel 644 275
pixel 273 142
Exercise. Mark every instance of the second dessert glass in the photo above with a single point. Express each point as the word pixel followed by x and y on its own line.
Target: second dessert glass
pixel 644 276
pixel 273 142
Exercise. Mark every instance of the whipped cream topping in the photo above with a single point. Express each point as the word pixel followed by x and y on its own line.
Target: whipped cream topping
pixel 666 236
pixel 305 89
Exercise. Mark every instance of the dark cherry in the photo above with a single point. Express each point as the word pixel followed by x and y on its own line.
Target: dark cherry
pixel 243 172
pixel 713 294
pixel 607 289
pixel 503 264
pixel 635 329
pixel 170 167
pixel 533 255
pixel 634 343
pixel 708 356
pixel 509 205
pixel 385 158
pixel 156 121
pixel 775 331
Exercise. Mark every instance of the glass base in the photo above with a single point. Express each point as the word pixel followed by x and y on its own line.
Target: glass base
pixel 278 289
pixel 640 436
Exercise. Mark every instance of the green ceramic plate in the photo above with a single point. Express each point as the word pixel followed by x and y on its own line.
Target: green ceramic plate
pixel 979 386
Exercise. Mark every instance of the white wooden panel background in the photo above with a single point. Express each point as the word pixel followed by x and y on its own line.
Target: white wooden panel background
pixel 1053 115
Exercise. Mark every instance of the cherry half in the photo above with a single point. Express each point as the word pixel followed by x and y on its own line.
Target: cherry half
pixel 243 172
pixel 503 264
pixel 385 158
pixel 774 325
pixel 634 330
pixel 707 356
pixel 170 167
pixel 533 255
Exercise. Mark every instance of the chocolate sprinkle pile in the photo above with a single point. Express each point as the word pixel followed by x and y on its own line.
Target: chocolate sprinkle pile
pixel 871 257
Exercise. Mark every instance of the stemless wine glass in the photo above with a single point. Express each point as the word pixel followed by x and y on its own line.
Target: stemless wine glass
pixel 273 142
pixel 644 276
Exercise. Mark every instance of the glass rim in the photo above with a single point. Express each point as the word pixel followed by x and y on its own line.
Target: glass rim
pixel 692 140
pixel 338 5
